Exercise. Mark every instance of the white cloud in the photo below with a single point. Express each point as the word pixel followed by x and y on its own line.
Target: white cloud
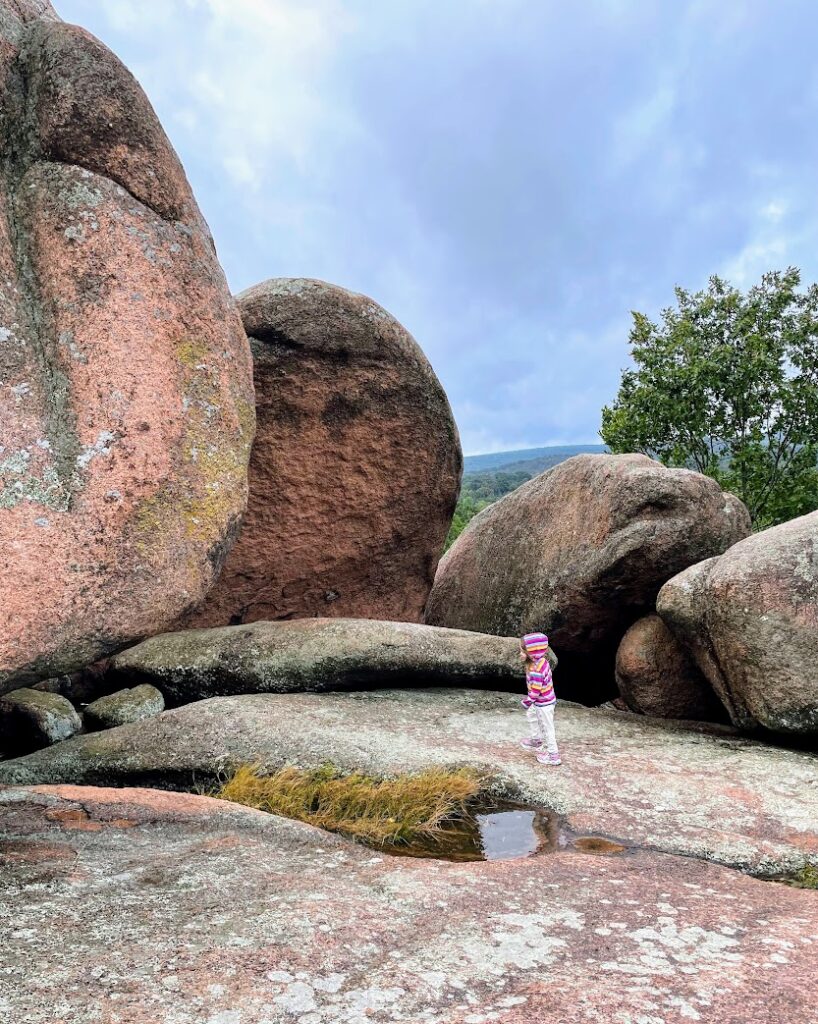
pixel 507 177
pixel 754 259
pixel 774 210
pixel 777 238
pixel 248 78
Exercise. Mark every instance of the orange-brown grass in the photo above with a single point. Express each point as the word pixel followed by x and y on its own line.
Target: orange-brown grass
pixel 376 811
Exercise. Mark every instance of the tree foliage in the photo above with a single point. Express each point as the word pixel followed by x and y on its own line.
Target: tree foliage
pixel 727 384
pixel 492 484
pixel 467 508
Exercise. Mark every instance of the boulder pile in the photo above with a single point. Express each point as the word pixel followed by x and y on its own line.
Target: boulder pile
pixel 287 632
pixel 580 552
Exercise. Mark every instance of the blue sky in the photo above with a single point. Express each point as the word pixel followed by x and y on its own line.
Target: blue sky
pixel 508 177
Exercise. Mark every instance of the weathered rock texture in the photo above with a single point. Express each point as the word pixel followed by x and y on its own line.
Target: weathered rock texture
pixel 228 915
pixel 124 707
pixel 317 655
pixel 231 916
pixel 698 791
pixel 30 719
pixel 580 552
pixel 656 676
pixel 126 405
pixel 355 470
pixel 750 618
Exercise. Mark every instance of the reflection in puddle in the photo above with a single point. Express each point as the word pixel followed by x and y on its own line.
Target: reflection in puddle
pixel 498 831
pixel 503 830
pixel 508 834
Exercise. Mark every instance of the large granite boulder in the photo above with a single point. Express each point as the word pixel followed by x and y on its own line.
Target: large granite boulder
pixel 580 552
pixel 750 619
pixel 30 719
pixel 126 412
pixel 150 906
pixel 315 655
pixel 355 470
pixel 656 676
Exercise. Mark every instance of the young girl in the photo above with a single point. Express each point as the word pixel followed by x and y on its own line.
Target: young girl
pixel 540 701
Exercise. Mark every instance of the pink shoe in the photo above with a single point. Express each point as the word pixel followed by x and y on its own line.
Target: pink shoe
pixel 545 758
pixel 531 744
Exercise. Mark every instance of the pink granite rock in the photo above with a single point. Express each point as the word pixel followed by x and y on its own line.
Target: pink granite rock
pixel 126 401
pixel 750 619
pixel 656 676
pixel 156 907
pixel 580 552
pixel 355 469
pixel 697 790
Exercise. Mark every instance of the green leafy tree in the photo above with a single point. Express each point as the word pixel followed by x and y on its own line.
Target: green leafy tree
pixel 467 508
pixel 727 384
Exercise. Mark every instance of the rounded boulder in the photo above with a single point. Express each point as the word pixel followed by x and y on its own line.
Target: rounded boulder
pixel 355 469
pixel 750 619
pixel 31 719
pixel 126 415
pixel 580 552
pixel 657 677
pixel 124 707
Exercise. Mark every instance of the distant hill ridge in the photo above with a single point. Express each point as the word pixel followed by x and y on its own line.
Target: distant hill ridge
pixel 528 460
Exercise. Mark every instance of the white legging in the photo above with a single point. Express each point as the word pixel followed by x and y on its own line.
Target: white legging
pixel 541 722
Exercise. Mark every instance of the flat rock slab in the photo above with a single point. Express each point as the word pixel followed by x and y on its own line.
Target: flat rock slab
pixel 150 906
pixel 652 785
pixel 314 655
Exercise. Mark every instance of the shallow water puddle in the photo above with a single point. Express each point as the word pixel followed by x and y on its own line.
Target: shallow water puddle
pixel 504 831
pixel 497 831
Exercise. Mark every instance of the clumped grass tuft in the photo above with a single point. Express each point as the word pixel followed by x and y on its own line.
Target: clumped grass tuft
pixel 376 811
pixel 806 878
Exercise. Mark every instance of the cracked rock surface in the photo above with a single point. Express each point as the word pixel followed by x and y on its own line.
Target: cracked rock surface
pixel 704 793
pixel 152 906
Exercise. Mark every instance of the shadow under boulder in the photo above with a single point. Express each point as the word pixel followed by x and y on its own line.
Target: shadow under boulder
pixel 31 719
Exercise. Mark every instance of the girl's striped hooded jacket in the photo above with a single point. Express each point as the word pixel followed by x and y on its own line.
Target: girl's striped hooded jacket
pixel 538 671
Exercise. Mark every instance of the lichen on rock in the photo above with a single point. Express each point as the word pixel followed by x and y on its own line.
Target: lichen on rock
pixel 122 354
